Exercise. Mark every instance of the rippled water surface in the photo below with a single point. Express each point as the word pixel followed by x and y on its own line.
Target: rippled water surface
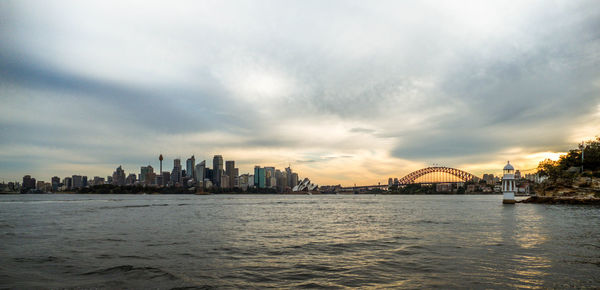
pixel 257 241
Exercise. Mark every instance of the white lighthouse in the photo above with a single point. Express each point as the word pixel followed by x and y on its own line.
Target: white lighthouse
pixel 508 184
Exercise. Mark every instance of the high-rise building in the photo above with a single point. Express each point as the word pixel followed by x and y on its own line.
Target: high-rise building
pixel 189 167
pixel 84 181
pixel 28 182
pixel 199 171
pixel 270 180
pixel 230 171
pixel 118 177
pixel 217 169
pixel 130 179
pixel 236 178
pixel 77 181
pixel 225 181
pixel 55 183
pixel 98 180
pixel 259 177
pixel 176 173
pixel 147 175
pixel 294 179
pixel 68 183
pixel 166 177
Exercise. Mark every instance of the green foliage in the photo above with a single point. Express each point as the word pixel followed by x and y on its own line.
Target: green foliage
pixel 555 170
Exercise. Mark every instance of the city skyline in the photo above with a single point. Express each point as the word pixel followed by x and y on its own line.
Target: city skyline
pixel 346 92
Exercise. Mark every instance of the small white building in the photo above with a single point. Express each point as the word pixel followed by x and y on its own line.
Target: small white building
pixel 508 184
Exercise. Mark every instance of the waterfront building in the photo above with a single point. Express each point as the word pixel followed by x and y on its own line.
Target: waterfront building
pixel 109 180
pixel 68 183
pixel 517 174
pixel 390 181
pixel 217 170
pixel 55 181
pixel 28 182
pixel 225 181
pixel 189 167
pixel 77 181
pixel 118 177
pixel 200 171
pixel 176 173
pixel 270 180
pixel 84 181
pixel 259 177
pixel 230 170
pixel 166 177
pixel 508 184
pixel 130 180
pixel 294 180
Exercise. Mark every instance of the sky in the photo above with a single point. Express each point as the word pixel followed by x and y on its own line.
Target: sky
pixel 346 92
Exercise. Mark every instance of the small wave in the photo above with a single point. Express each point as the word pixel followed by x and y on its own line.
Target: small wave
pixel 47 259
pixel 134 272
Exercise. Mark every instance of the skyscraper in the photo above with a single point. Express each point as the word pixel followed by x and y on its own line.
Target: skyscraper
pixel 217 169
pixel 189 167
pixel 118 177
pixel 230 172
pixel 270 177
pixel 200 171
pixel 259 177
pixel 176 173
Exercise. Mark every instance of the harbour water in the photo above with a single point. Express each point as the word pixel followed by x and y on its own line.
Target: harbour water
pixel 260 241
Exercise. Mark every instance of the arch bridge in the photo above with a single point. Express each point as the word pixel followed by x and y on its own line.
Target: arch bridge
pixel 438 174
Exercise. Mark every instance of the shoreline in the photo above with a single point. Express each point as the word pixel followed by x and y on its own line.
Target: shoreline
pixel 561 200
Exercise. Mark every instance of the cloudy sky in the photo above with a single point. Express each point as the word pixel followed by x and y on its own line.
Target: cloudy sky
pixel 344 91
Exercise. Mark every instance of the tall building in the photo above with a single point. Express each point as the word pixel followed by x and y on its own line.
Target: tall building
pixel 230 172
pixel 176 173
pixel 259 177
pixel 55 183
pixel 200 171
pixel 77 181
pixel 294 179
pixel 84 181
pixel 68 182
pixel 147 175
pixel 28 182
pixel 189 167
pixel 130 180
pixel 118 177
pixel 217 169
pixel 270 180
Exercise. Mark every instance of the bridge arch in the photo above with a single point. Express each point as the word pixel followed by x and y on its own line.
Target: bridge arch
pixel 411 177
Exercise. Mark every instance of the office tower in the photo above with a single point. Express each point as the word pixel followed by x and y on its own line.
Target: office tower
pixel 230 171
pixel 189 167
pixel 55 183
pixel 109 180
pixel 288 175
pixel 166 176
pixel 390 181
pixel 236 177
pixel 68 181
pixel 256 169
pixel 84 181
pixel 130 180
pixel 28 182
pixel 118 177
pixel 77 181
pixel 217 169
pixel 294 179
pixel 199 171
pixel 176 173
pixel 259 177
pixel 225 181
pixel 270 177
